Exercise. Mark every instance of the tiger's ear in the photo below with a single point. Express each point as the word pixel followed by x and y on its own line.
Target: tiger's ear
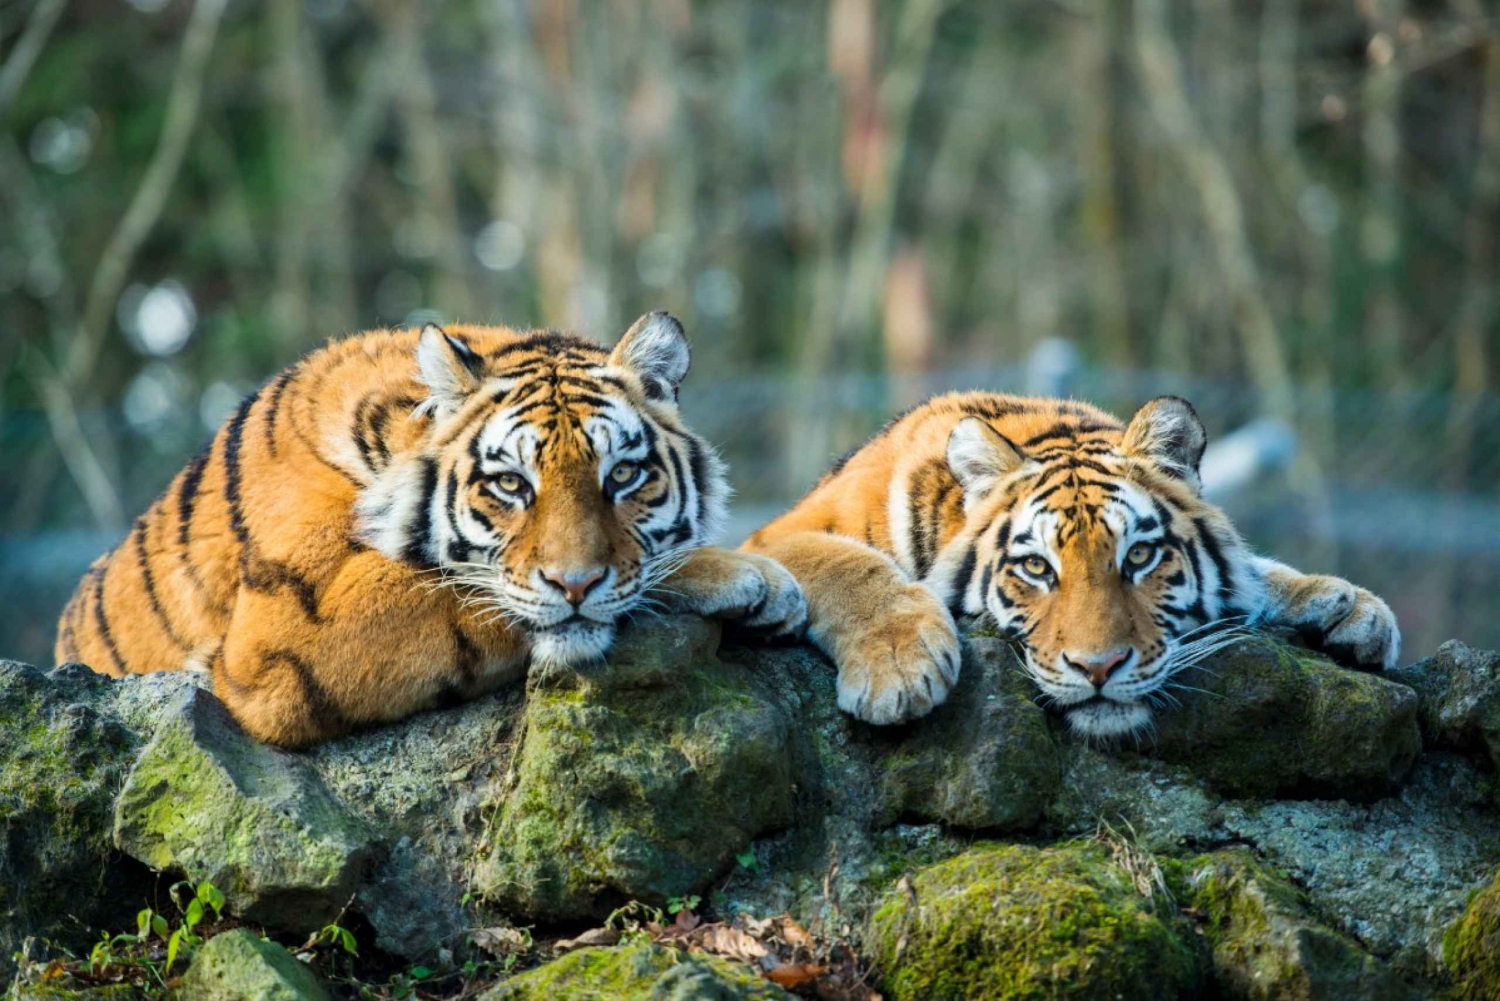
pixel 655 349
pixel 1167 431
pixel 449 367
pixel 979 456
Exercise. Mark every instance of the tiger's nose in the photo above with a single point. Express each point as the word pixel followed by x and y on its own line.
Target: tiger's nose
pixel 576 584
pixel 1098 667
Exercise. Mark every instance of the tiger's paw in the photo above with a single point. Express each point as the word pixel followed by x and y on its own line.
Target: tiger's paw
pixel 1352 625
pixel 901 664
pixel 756 593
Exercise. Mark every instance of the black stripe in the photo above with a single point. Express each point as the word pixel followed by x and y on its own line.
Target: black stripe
pixel 321 706
pixel 958 596
pixel 273 404
pixel 149 579
pixel 419 530
pixel 187 495
pixel 101 619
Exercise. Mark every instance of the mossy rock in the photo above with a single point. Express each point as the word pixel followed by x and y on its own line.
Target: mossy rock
pixel 62 756
pixel 1471 947
pixel 68 990
pixel 984 760
pixel 1459 693
pixel 638 778
pixel 1015 922
pixel 1265 718
pixel 1268 945
pixel 240 966
pixel 637 971
pixel 208 801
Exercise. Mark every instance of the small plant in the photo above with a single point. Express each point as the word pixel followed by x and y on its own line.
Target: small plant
pixel 748 861
pixel 404 985
pixel 676 905
pixel 633 917
pixel 335 935
pixel 153 933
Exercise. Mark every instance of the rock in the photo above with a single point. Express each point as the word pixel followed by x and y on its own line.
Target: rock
pixel 1459 690
pixel 638 778
pixel 637 971
pixel 61 760
pixel 1266 942
pixel 240 966
pixel 1265 718
pixel 1471 948
pixel 432 785
pixel 984 760
pixel 206 800
pixel 1392 874
pixel 1019 922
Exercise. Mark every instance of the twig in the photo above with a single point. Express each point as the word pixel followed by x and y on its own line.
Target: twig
pixel 28 47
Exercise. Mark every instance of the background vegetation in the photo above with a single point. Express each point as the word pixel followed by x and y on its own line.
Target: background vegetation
pixel 1284 209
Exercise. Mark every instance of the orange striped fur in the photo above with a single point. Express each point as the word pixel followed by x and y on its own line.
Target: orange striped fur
pixel 405 517
pixel 1085 539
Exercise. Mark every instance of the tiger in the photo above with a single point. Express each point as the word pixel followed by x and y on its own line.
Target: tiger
pixel 1085 540
pixel 406 518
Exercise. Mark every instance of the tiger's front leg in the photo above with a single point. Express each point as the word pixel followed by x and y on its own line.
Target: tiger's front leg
pixel 1351 624
pixel 755 592
pixel 895 644
pixel 377 643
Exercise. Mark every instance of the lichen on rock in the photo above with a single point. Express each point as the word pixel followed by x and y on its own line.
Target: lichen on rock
pixel 984 760
pixel 638 778
pixel 206 800
pixel 1471 947
pixel 1459 694
pixel 636 971
pixel 1019 922
pixel 1266 718
pixel 240 966
pixel 1267 943
pixel 62 758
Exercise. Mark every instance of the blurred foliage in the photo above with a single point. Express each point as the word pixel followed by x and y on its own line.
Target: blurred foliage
pixel 1294 196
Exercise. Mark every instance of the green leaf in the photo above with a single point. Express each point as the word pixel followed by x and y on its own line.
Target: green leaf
pixel 210 895
pixel 160 926
pixel 347 938
pixel 143 923
pixel 173 944
pixel 420 973
pixel 194 913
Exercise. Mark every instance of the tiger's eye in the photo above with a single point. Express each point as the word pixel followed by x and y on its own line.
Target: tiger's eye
pixel 1140 554
pixel 511 483
pixel 1036 566
pixel 623 473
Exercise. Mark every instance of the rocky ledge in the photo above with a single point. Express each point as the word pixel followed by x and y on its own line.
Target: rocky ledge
pixel 1291 829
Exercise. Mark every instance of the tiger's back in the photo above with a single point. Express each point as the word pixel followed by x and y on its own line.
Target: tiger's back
pixel 267 505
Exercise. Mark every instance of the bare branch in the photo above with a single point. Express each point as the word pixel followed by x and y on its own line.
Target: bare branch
pixel 28 47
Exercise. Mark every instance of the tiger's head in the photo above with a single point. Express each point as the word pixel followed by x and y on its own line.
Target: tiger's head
pixel 1092 547
pixel 556 482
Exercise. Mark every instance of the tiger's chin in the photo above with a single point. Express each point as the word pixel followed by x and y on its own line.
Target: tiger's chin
pixel 1103 719
pixel 572 643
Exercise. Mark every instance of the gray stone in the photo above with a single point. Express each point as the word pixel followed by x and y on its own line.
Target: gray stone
pixel 984 760
pixel 1459 690
pixel 1267 943
pixel 206 800
pixel 638 778
pixel 1265 718
pixel 240 966
pixel 62 756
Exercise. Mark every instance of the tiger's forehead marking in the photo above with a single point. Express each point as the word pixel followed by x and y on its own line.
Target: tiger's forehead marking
pixel 556 404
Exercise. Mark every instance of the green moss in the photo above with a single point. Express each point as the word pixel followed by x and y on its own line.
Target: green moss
pixel 637 971
pixel 1012 922
pixel 240 966
pixel 1267 718
pixel 638 778
pixel 206 800
pixel 1471 947
pixel 1266 941
pixel 61 759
